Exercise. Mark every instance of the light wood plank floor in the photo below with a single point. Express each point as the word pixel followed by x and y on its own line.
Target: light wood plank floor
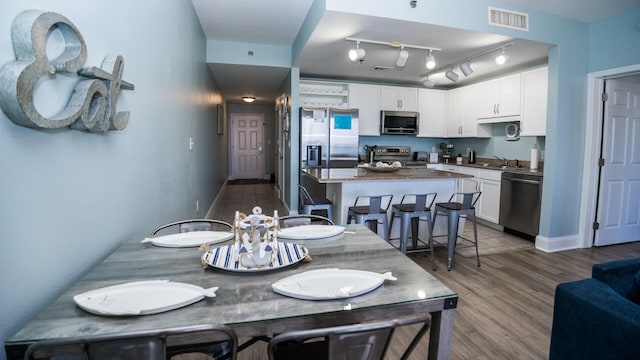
pixel 505 308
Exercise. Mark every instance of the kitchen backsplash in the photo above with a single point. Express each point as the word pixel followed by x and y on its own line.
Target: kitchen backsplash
pixel 497 145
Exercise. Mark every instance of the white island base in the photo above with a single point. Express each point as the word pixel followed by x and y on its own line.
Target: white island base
pixel 343 195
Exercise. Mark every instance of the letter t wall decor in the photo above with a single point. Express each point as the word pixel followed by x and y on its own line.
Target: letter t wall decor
pixel 91 106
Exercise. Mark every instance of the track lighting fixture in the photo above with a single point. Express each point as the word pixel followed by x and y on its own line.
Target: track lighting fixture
pixel 451 75
pixel 431 61
pixel 403 55
pixel 466 69
pixel 502 58
pixel 428 83
pixel 357 53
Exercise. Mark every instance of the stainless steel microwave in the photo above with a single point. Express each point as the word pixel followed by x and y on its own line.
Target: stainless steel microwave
pixel 399 122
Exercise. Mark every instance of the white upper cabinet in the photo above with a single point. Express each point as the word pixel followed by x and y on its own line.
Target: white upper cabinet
pixel 499 98
pixel 461 121
pixel 398 98
pixel 366 98
pixel 432 106
pixel 534 102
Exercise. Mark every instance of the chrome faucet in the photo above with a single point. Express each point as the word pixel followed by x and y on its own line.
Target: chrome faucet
pixel 505 161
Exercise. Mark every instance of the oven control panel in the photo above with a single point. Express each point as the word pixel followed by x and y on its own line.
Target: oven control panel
pixel 393 153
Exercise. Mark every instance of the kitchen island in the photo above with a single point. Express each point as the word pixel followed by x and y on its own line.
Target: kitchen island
pixel 344 185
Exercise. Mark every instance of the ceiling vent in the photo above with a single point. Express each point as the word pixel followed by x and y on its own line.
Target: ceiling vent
pixel 509 19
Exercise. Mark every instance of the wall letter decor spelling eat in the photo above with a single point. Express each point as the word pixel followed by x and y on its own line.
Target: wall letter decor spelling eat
pixel 92 105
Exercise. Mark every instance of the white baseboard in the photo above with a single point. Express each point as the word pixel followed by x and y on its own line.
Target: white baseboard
pixel 215 201
pixel 556 244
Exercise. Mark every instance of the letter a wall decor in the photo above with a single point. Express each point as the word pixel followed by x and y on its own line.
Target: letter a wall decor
pixel 91 106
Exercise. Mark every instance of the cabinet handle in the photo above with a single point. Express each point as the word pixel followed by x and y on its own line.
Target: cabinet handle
pixel 498 107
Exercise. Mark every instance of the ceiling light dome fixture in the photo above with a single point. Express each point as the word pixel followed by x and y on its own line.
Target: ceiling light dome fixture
pixel 357 54
pixel 431 61
pixel 403 55
pixel 451 75
pixel 502 58
pixel 466 69
pixel 248 99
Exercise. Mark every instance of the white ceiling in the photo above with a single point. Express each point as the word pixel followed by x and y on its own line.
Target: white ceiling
pixel 324 55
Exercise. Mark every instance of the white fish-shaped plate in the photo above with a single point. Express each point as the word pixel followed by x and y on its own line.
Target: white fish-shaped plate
pixel 307 232
pixel 190 239
pixel 141 297
pixel 329 284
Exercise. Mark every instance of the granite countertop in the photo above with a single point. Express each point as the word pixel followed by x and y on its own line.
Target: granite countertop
pixel 498 167
pixel 332 175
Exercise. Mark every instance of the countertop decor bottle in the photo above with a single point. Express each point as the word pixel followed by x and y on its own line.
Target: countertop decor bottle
pixel 534 158
pixel 472 156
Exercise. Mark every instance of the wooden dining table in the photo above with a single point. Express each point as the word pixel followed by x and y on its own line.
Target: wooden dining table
pixel 246 301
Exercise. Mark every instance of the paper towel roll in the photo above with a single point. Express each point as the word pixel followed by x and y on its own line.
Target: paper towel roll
pixel 534 159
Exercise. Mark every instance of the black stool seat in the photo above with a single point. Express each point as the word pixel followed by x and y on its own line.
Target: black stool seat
pixel 363 210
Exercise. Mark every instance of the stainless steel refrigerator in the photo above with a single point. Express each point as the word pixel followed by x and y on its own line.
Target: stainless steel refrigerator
pixel 328 137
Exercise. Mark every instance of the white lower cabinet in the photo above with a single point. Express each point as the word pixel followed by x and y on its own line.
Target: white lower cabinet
pixel 488 183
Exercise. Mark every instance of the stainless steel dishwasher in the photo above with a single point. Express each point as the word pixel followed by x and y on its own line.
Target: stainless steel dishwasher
pixel 520 197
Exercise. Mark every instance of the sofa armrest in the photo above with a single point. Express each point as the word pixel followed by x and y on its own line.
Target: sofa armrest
pixel 618 274
pixel 593 321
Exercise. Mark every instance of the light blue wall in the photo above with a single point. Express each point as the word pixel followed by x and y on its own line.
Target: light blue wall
pixel 615 41
pixel 68 198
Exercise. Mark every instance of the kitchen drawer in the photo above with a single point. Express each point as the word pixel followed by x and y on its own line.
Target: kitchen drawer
pixel 452 168
pixel 495 175
pixel 468 171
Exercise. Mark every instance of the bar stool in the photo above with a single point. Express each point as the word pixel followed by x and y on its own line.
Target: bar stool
pixel 411 214
pixel 454 210
pixel 371 214
pixel 309 203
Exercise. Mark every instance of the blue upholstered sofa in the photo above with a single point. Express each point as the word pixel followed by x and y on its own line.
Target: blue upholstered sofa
pixel 599 317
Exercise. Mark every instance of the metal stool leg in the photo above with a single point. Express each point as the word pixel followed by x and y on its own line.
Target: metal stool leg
pixel 452 236
pixel 405 220
pixel 385 227
pixel 475 236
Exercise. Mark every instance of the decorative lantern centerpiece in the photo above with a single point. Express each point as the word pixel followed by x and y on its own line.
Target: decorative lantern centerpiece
pixel 256 238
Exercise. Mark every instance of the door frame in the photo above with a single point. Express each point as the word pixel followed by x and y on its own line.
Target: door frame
pixel 593 135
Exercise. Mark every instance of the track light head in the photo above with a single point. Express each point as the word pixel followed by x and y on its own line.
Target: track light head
pixel 428 83
pixel 451 75
pixel 502 58
pixel 466 69
pixel 431 61
pixel 357 53
pixel 401 60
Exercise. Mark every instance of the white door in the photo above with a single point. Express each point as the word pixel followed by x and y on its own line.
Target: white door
pixel 618 212
pixel 248 154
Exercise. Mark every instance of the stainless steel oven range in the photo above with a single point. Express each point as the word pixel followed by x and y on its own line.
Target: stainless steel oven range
pixel 402 154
